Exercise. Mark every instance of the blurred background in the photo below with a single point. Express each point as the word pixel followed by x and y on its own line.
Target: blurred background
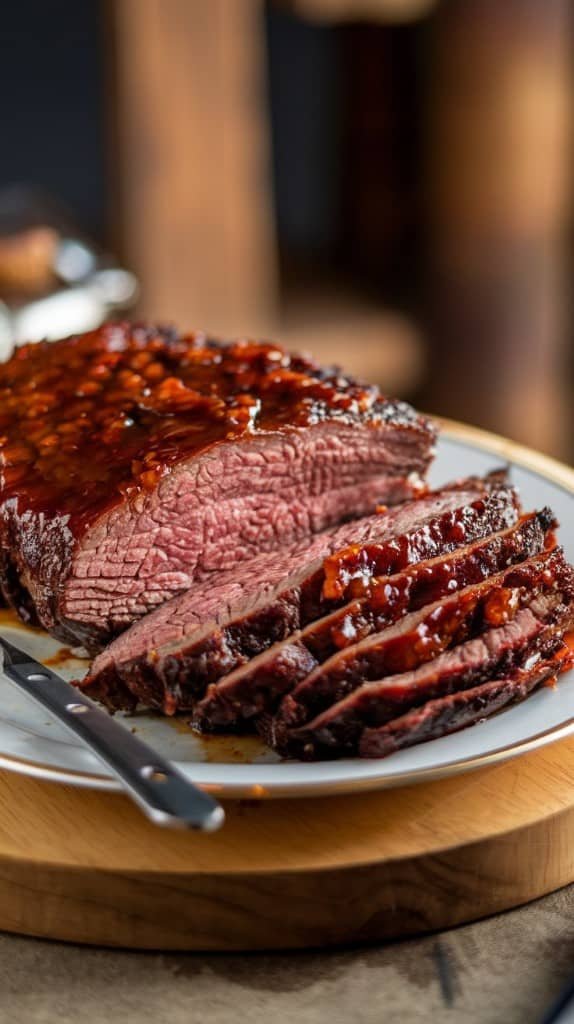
pixel 387 183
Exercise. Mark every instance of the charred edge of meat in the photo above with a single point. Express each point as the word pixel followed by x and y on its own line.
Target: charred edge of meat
pixel 338 729
pixel 487 603
pixel 349 571
pixel 260 683
pixel 446 715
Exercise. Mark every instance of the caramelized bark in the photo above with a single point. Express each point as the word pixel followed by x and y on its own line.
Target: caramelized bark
pixel 424 635
pixel 103 415
pixel 494 654
pixel 445 715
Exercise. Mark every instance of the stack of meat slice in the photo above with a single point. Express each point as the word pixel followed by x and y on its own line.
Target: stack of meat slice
pixel 382 693
pixel 386 631
pixel 169 658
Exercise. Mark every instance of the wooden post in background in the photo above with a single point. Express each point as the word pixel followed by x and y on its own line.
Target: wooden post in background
pixel 498 198
pixel 191 165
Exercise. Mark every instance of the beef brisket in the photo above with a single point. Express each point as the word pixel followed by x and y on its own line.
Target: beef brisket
pixel 535 630
pixel 422 635
pixel 444 715
pixel 252 537
pixel 168 659
pixel 258 683
pixel 135 462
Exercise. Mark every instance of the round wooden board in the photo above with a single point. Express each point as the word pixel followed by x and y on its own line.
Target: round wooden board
pixel 86 867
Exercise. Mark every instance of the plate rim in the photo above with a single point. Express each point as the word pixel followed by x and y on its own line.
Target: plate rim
pixel 512 451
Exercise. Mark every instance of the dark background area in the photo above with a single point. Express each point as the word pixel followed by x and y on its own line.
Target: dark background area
pixel 343 153
pixel 392 192
pixel 52 73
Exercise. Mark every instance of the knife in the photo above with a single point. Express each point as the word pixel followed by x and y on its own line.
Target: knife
pixel 162 792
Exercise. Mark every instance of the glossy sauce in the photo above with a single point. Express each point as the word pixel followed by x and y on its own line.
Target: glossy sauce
pixel 351 570
pixel 569 641
pixel 218 748
pixel 447 627
pixel 62 656
pixel 564 657
pixel 390 599
pixel 88 419
pixel 439 629
pixel 10 620
pixel 492 607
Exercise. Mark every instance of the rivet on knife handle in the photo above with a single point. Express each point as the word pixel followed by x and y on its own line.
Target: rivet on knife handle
pixel 165 795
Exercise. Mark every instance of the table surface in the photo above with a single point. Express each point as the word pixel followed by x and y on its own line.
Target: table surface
pixel 507 968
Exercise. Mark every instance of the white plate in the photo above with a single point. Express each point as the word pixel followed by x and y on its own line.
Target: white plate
pixel 33 744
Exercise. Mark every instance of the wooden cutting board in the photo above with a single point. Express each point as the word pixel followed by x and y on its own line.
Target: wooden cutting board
pixel 87 867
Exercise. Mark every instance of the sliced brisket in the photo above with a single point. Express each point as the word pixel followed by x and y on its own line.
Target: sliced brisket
pixel 421 635
pixel 220 511
pixel 448 714
pixel 258 683
pixel 169 658
pixel 535 630
pixel 135 461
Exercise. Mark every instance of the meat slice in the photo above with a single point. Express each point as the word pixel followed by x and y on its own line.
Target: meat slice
pixel 168 659
pixel 422 635
pixel 135 461
pixel 259 683
pixel 445 715
pixel 535 630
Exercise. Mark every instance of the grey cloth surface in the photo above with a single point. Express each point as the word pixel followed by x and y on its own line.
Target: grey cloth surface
pixel 505 970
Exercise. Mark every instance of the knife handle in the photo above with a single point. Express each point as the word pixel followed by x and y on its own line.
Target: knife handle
pixel 165 795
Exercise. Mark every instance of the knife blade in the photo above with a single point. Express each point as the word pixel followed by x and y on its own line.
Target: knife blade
pixel 163 793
